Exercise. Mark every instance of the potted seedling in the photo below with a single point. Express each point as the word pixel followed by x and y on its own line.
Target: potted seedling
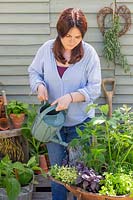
pixel 16 179
pixel 17 111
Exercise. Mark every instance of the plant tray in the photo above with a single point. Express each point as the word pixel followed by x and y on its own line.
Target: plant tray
pixel 84 195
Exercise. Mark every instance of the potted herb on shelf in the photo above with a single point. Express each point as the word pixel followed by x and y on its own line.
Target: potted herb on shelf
pixel 105 168
pixel 16 179
pixel 17 111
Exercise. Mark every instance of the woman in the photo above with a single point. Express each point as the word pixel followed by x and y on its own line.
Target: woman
pixel 66 71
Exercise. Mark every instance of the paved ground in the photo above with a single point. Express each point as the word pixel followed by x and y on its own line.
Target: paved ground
pixel 42 190
pixel 41 196
pixel 45 196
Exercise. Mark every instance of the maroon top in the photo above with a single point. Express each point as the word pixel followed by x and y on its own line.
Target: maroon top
pixel 61 70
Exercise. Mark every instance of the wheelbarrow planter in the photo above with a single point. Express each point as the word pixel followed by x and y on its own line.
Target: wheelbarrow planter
pixel 85 195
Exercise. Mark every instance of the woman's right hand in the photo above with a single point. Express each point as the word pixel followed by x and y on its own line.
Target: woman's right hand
pixel 42 93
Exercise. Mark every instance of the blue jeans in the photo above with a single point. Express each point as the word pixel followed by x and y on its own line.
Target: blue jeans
pixel 57 153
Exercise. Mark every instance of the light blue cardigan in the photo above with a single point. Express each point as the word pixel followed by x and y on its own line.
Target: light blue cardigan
pixel 83 76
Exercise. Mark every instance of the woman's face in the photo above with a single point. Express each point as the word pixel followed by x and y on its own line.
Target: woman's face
pixel 72 39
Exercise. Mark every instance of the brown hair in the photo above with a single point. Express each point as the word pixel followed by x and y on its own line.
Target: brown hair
pixel 68 19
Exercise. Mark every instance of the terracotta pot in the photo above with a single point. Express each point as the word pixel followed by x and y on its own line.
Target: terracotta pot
pixel 1 104
pixel 43 163
pixel 4 125
pixel 17 119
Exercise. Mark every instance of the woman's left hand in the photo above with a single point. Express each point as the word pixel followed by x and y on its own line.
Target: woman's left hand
pixel 62 102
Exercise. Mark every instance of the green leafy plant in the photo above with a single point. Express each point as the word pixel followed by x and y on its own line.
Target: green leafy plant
pixel 119 183
pixel 15 175
pixel 107 143
pixel 17 107
pixel 112 48
pixel 107 146
pixel 64 173
pixel 36 147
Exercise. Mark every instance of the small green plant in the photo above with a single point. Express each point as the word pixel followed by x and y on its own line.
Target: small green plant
pixel 15 175
pixel 119 183
pixel 36 147
pixel 17 107
pixel 64 173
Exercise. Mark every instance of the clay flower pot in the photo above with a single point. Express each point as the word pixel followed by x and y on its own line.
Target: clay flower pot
pixel 43 163
pixel 4 125
pixel 1 104
pixel 17 119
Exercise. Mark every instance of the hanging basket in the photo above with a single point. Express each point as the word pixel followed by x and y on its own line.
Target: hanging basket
pixel 84 195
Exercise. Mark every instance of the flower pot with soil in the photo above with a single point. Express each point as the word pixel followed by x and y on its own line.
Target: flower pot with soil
pixel 17 111
pixel 4 124
pixel 17 119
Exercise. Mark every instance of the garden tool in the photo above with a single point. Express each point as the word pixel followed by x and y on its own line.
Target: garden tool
pixel 5 106
pixel 109 93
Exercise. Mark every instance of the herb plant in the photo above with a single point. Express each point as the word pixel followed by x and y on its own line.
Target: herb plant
pixel 78 175
pixel 65 174
pixel 107 143
pixel 119 183
pixel 112 48
pixel 17 107
pixel 88 179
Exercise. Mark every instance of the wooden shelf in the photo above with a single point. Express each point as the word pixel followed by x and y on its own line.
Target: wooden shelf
pixel 17 135
pixel 10 133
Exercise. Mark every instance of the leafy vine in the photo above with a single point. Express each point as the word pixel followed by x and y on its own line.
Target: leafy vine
pixel 112 47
